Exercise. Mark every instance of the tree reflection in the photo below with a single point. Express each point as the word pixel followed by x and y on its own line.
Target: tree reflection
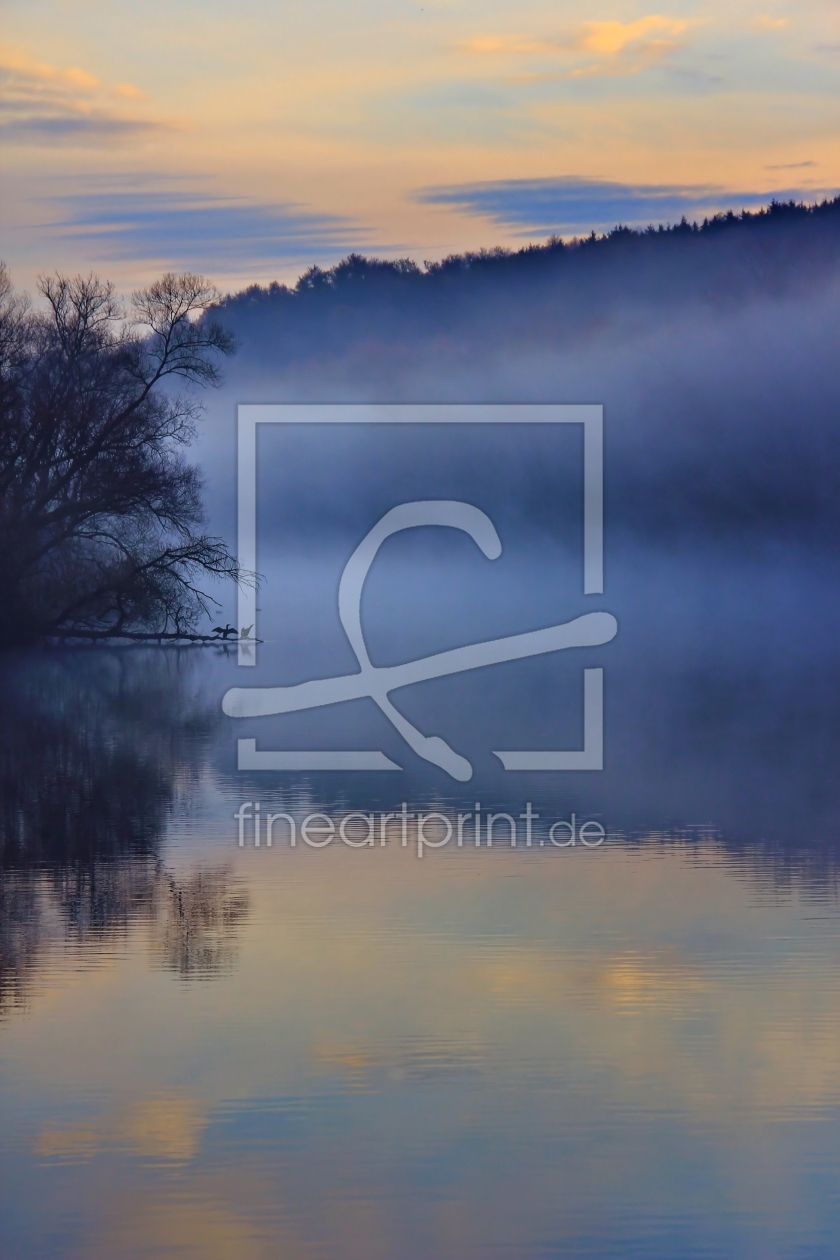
pixel 20 936
pixel 91 746
pixel 197 921
pixel 95 748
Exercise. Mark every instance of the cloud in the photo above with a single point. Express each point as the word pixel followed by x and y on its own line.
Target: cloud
pixel 568 205
pixel 46 104
pixel 185 229
pixel 90 127
pixel 612 38
pixel 507 45
pixel 617 47
pixel 26 79
pixel 763 22
pixel 128 90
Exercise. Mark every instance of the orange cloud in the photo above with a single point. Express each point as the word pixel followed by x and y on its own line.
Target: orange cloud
pixel 763 22
pixel 21 73
pixel 42 102
pixel 128 90
pixel 619 47
pixel 506 45
pixel 611 38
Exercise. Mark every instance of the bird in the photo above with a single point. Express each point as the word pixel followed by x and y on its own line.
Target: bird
pixel 225 631
pixel 245 631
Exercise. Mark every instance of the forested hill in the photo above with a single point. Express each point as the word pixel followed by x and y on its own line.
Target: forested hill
pixel 543 291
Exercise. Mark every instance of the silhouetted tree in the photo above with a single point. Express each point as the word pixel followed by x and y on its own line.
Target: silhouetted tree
pixel 100 515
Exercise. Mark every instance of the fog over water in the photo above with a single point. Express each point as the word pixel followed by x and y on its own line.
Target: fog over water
pixel 715 358
pixel 209 1050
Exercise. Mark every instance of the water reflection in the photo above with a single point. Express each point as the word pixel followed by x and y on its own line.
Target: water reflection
pixel 20 936
pixel 622 1050
pixel 96 751
pixel 197 922
pixel 94 747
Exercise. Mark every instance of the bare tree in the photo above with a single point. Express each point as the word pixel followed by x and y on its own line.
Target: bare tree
pixel 100 514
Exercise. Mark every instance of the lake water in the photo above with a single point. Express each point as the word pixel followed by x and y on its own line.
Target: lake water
pixel 627 1049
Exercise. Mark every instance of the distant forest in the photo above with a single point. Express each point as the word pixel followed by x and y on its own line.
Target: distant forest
pixel 542 290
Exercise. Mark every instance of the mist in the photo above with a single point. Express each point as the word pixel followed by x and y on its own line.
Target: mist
pixel 713 350
pixel 715 354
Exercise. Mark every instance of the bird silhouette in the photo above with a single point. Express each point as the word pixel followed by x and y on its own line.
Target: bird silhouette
pixel 246 630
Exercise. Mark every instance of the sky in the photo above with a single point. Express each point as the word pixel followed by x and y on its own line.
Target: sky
pixel 249 141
